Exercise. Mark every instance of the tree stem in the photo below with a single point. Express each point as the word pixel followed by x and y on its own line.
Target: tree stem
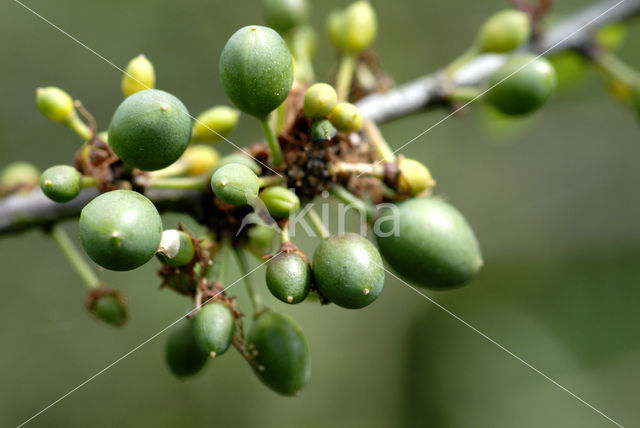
pixel 373 169
pixel 178 183
pixel 79 127
pixel 345 75
pixel 270 180
pixel 274 144
pixel 349 198
pixel 74 257
pixel 378 142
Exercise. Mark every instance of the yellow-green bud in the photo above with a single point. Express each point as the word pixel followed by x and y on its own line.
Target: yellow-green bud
pixel 213 124
pixel 504 31
pixel 280 201
pixel 55 104
pixel 414 177
pixel 334 28
pixel 200 159
pixel 354 29
pixel 139 75
pixel 18 176
pixel 235 184
pixel 319 100
pixel 346 117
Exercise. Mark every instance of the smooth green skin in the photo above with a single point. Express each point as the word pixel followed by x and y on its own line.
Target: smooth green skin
pixel 61 183
pixel 525 89
pixel 262 236
pixel 213 124
pixel 319 100
pixel 214 327
pixel 344 267
pixel 435 246
pixel 283 352
pixel 150 130
pixel 109 310
pixel 283 15
pixel 182 354
pixel 504 31
pixel 322 130
pixel 120 230
pixel 289 275
pixel 235 184
pixel 184 255
pixel 280 201
pixel 19 173
pixel 346 117
pixel 54 103
pixel 360 26
pixel 241 159
pixel 256 70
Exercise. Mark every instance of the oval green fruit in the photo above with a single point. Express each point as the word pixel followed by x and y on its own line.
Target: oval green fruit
pixel 139 75
pixel 120 230
pixel 360 26
pixel 346 117
pixel 150 130
pixel 256 70
pixel 348 270
pixel 110 310
pixel 282 362
pixel 182 354
pixel 280 201
pixel 240 158
pixel 214 124
pixel 61 183
pixel 523 84
pixel 214 327
pixel 428 242
pixel 235 184
pixel 319 100
pixel 284 15
pixel 55 104
pixel 289 277
pixel 176 248
pixel 504 31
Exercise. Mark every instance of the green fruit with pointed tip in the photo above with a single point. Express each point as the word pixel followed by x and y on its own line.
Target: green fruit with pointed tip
pixel 429 242
pixel 235 184
pixel 522 85
pixel 280 201
pixel 289 277
pixel 61 183
pixel 256 70
pixel 55 104
pixel 284 15
pixel 504 31
pixel 360 26
pixel 319 100
pixel 176 248
pixel 150 130
pixel 138 76
pixel 240 158
pixel 120 230
pixel 182 354
pixel 110 310
pixel 348 270
pixel 322 130
pixel 282 362
pixel 213 328
pixel 346 117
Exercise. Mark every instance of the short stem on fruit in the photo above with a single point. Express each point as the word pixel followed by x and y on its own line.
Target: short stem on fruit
pixel 175 169
pixel 79 127
pixel 616 69
pixel 74 257
pixel 244 269
pixel 178 183
pixel 373 169
pixel 349 198
pixel 304 66
pixel 461 61
pixel 378 142
pixel 270 180
pixel 281 114
pixel 463 94
pixel 317 224
pixel 89 181
pixel 284 236
pixel 274 144
pixel 345 75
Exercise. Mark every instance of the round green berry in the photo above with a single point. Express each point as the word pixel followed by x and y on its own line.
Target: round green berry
pixel 214 327
pixel 360 26
pixel 235 184
pixel 61 183
pixel 280 201
pixel 139 75
pixel 55 104
pixel 348 270
pixel 322 130
pixel 110 310
pixel 289 277
pixel 522 85
pixel 215 123
pixel 428 242
pixel 319 100
pixel 18 175
pixel 150 130
pixel 284 15
pixel 176 248
pixel 282 360
pixel 504 31
pixel 346 117
pixel 256 70
pixel 182 354
pixel 242 159
pixel 120 230
pixel 262 236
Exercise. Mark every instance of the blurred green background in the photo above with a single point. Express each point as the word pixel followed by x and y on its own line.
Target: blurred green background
pixel 555 205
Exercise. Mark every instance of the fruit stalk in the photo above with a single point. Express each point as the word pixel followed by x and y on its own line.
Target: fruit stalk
pixel 274 144
pixel 345 75
pixel 318 225
pixel 349 198
pixel 74 257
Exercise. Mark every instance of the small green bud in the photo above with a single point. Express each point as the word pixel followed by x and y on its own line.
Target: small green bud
pixel 262 236
pixel 504 31
pixel 213 124
pixel 414 177
pixel 55 104
pixel 235 184
pixel 214 327
pixel 176 248
pixel 284 15
pixel 139 75
pixel 110 309
pixel 346 117
pixel 280 201
pixel 199 159
pixel 61 183
pixel 319 100
pixel 322 130
pixel 18 176
pixel 360 26
pixel 242 159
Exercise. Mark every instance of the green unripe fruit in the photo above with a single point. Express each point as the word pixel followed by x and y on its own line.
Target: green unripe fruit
pixel 110 310
pixel 346 117
pixel 504 31
pixel 304 41
pixel 235 184
pixel 256 70
pixel 176 248
pixel 414 177
pixel 360 26
pixel 262 236
pixel 214 124
pixel 283 15
pixel 242 159
pixel 139 75
pixel 199 159
pixel 322 130
pixel 319 100
pixel 18 175
pixel 348 270
pixel 280 201
pixel 182 354
pixel 434 245
pixel 55 104
pixel 213 328
pixel 120 230
pixel 289 277
pixel 61 183
pixel 282 362
pixel 334 28
pixel 523 84
pixel 150 130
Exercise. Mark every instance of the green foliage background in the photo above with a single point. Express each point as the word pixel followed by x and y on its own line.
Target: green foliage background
pixel 555 205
